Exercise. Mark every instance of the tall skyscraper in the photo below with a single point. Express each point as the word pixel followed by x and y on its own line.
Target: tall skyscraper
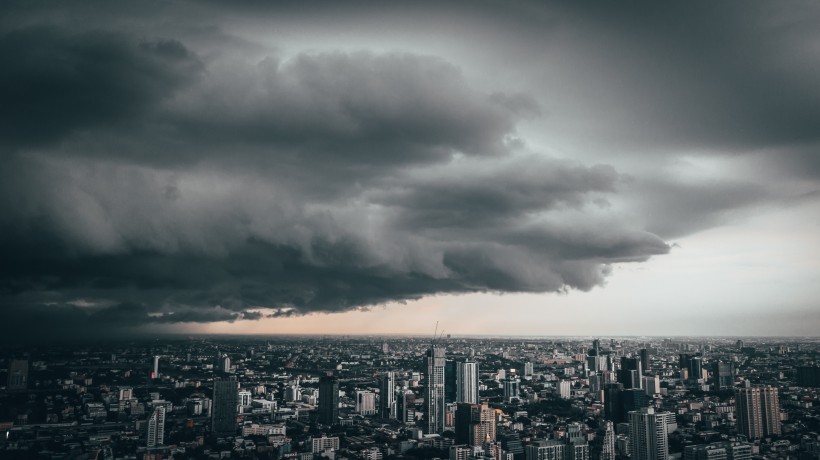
pixel 724 374
pixel 630 373
pixel 648 438
pixel 512 389
pixel 644 354
pixel 18 374
pixel 475 424
pixel 328 400
pixel 434 403
pixel 467 382
pixel 405 407
pixel 387 395
pixel 156 427
pixel 224 406
pixel 606 445
pixel 155 372
pixel 758 411
pixel 613 405
pixel 450 384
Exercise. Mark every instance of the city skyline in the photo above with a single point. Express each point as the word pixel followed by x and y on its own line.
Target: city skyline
pixel 518 169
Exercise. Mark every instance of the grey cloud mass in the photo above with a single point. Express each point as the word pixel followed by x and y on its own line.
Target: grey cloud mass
pixel 189 174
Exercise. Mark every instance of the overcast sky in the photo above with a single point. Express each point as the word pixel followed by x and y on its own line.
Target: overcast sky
pixel 534 168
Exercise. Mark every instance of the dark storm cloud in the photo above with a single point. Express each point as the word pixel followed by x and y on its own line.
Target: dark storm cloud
pixel 150 180
pixel 52 82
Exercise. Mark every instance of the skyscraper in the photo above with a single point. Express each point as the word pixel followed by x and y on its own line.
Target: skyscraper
pixel 644 354
pixel 434 403
pixel 512 389
pixel 607 442
pixel 223 413
pixel 155 372
pixel 365 402
pixel 630 373
pixel 648 438
pixel 328 400
pixel 724 374
pixel 475 424
pixel 156 427
pixel 387 395
pixel 758 411
pixel 18 374
pixel 450 384
pixel 467 382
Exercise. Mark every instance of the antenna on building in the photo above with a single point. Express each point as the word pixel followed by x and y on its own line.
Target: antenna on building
pixel 435 332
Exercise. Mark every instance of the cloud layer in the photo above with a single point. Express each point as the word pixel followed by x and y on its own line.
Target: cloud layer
pixel 144 185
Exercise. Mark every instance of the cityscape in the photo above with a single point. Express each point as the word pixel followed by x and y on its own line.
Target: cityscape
pixel 409 230
pixel 374 398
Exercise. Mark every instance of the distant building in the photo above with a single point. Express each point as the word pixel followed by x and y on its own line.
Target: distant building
pixel 629 375
pixel 606 442
pixel 757 410
pixel 156 427
pixel 475 424
pixel 718 451
pixel 325 443
pixel 366 402
pixel 648 437
pixel 434 402
pixel 155 372
pixel 724 375
pixel 387 396
pixel 511 389
pixel 565 389
pixel 18 374
pixel 224 408
pixel 328 400
pixel 467 382
pixel 644 355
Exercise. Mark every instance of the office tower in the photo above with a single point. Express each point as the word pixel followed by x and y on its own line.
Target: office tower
pixel 808 376
pixel 758 411
pixel 511 389
pixel 596 348
pixel 387 396
pixel 224 406
pixel 155 372
pixel 475 424
pixel 467 382
pixel 606 445
pixel 718 451
pixel 18 374
pixel 633 399
pixel 630 373
pixel 450 378
pixel 328 400
pixel 225 364
pixel 652 385
pixel 434 403
pixel 365 402
pixel 648 438
pixel 511 442
pixel 644 354
pixel 405 407
pixel 724 374
pixel 528 369
pixel 156 427
pixel 693 364
pixel 613 407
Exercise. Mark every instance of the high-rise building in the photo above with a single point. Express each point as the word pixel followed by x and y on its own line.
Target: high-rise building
pixel 224 406
pixel 630 373
pixel 606 443
pixel 156 427
pixel 18 374
pixel 405 407
pixel 467 382
pixel 724 374
pixel 434 403
pixel 528 369
pixel 328 400
pixel 613 405
pixel 648 437
pixel 155 372
pixel 475 424
pixel 652 384
pixel 365 402
pixel 450 378
pixel 644 354
pixel 557 449
pixel 387 395
pixel 758 411
pixel 511 388
pixel 564 389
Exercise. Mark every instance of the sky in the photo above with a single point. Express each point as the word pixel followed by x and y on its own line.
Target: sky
pixel 504 168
